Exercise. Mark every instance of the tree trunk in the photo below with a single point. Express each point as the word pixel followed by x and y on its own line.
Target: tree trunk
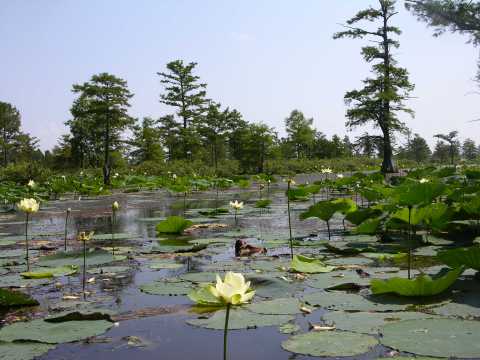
pixel 388 165
pixel 106 164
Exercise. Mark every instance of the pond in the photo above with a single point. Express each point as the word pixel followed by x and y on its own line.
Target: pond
pixel 154 319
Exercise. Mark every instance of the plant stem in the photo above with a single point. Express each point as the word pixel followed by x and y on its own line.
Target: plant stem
pixel 184 203
pixel 26 242
pixel 84 266
pixel 328 228
pixel 409 241
pixel 236 217
pixel 225 332
pixel 66 230
pixel 113 234
pixel 289 220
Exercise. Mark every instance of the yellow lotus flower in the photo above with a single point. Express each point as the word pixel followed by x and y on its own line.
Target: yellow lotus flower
pixel 233 290
pixel 236 205
pixel 29 205
pixel 115 206
pixel 83 236
pixel 326 171
pixel 423 181
pixel 31 184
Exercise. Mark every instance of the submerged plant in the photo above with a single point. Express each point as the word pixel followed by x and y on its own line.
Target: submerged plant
pixel 84 237
pixel 235 205
pixel 232 291
pixel 28 206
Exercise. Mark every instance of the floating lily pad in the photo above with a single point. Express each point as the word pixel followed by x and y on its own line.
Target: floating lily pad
pixel 286 306
pixel 289 328
pixel 353 302
pixel 42 273
pixel 199 277
pixel 240 319
pixel 337 280
pixel 53 333
pixel 12 253
pixel 166 288
pixel 330 344
pixel 434 337
pixel 117 236
pixel 273 287
pixel 305 264
pixel 210 241
pixel 94 257
pixel 15 280
pixel 23 350
pixel 232 265
pixel 349 261
pixel 369 322
pixel 269 265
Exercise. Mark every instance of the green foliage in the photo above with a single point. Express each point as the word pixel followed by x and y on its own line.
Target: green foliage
pixel 303 264
pixel 262 204
pixel 468 257
pixel 423 285
pixel 11 298
pixel 173 225
pixel 325 210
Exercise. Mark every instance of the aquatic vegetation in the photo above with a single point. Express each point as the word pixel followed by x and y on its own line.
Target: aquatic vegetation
pixel 263 203
pixel 28 206
pixel 303 264
pixel 84 237
pixel 236 206
pixel 173 225
pixel 422 285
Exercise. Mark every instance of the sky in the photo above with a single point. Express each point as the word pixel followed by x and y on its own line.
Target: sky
pixel 262 57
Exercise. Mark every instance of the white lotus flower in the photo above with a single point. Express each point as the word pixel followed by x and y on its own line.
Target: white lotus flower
pixel 340 176
pixel 115 206
pixel 29 205
pixel 174 176
pixel 423 181
pixel 31 184
pixel 233 290
pixel 326 171
pixel 83 236
pixel 236 205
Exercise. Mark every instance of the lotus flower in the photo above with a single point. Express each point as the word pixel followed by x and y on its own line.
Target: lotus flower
pixel 29 206
pixel 31 184
pixel 233 290
pixel 236 205
pixel 424 181
pixel 115 206
pixel 326 171
pixel 340 176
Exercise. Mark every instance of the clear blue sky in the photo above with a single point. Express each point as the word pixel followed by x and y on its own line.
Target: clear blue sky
pixel 263 57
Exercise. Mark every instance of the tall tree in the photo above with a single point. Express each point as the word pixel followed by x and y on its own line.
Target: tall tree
pixel 106 100
pixel 145 141
pixel 453 143
pixel 9 130
pixel 469 150
pixel 184 92
pixel 300 133
pixel 383 96
pixel 170 134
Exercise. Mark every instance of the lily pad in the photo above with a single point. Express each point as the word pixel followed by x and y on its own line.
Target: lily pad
pixel 338 280
pixel 468 257
pixel 166 288
pixel 273 287
pixel 434 337
pixel 94 257
pixel 289 328
pixel 305 264
pixel 330 344
pixel 164 264
pixel 117 236
pixel 199 277
pixel 285 306
pixel 349 261
pixel 107 270
pixel 240 319
pixel 43 273
pixel 23 351
pixel 369 322
pixel 53 333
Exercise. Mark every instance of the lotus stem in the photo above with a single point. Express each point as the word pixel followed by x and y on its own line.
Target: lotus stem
pixel 84 266
pixel 225 332
pixel 112 231
pixel 236 223
pixel 66 230
pixel 289 220
pixel 328 229
pixel 27 257
pixel 409 241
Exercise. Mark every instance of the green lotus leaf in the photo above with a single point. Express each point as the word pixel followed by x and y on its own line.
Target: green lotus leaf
pixel 434 337
pixel 281 306
pixel 23 350
pixel 330 344
pixel 167 288
pixel 43 273
pixel 11 298
pixel 303 264
pixel 423 285
pixel 360 215
pixel 173 225
pixel 203 297
pixel 75 258
pixel 468 257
